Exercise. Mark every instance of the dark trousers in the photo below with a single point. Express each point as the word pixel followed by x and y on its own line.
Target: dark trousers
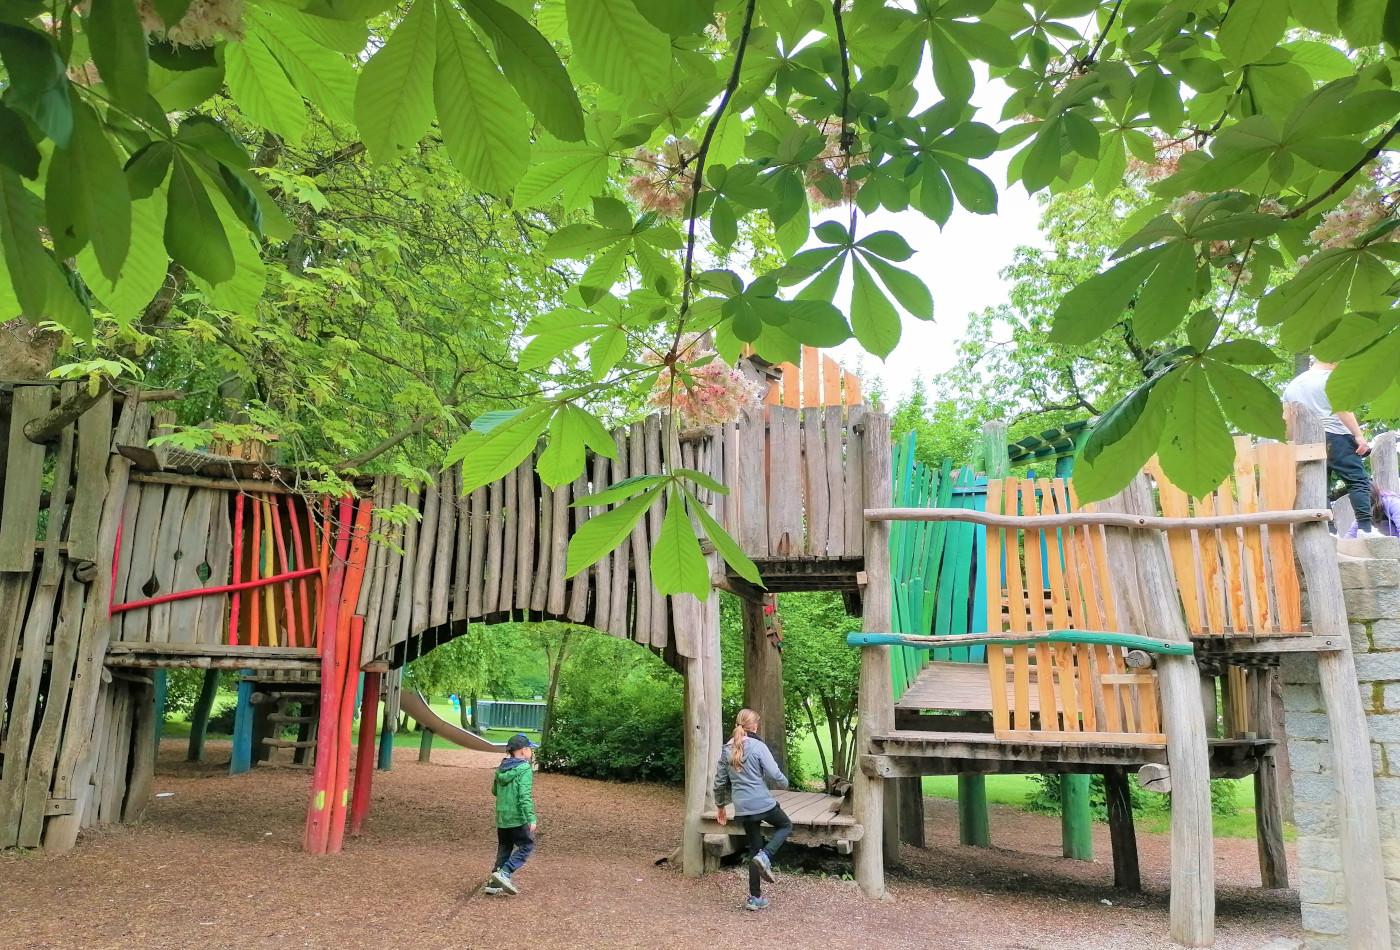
pixel 513 848
pixel 753 830
pixel 1344 463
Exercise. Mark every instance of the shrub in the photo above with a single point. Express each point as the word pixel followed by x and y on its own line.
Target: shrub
pixel 617 716
pixel 1046 799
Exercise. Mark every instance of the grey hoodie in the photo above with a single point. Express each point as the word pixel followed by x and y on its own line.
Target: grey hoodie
pixel 748 787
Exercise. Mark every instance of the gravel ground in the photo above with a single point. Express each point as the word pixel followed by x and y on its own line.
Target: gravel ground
pixel 218 864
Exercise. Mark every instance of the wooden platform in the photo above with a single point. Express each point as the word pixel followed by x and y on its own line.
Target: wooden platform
pixel 910 752
pixel 816 818
pixel 210 656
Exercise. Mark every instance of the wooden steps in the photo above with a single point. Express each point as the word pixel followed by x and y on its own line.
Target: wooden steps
pixel 817 818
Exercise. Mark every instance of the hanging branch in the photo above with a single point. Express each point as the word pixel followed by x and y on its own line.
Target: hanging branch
pixel 1103 35
pixel 699 181
pixel 847 138
pixel 1371 154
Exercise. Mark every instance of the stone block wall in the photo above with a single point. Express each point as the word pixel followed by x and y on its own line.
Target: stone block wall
pixel 1371 580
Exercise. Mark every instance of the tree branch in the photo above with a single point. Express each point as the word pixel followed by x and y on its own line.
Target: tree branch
pixel 1103 35
pixel 703 153
pixel 1371 154
pixel 418 424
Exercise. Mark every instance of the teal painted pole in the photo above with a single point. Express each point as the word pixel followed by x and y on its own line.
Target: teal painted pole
pixel 1076 824
pixel 973 829
pixel 158 677
pixel 242 758
pixel 386 743
pixel 199 718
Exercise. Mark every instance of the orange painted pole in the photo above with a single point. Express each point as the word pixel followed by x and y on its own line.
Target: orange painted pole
pixel 364 754
pixel 304 587
pixel 332 677
pixel 269 596
pixel 288 605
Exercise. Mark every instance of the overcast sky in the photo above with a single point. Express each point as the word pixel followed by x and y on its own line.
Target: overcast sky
pixel 960 264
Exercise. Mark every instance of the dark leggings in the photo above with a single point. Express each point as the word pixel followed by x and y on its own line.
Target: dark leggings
pixel 1344 463
pixel 513 848
pixel 753 829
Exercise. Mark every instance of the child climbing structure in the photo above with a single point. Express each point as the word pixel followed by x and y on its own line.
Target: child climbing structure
pixel 1106 629
pixel 170 559
pixel 1083 649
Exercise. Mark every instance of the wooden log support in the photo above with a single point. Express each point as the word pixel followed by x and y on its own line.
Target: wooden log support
pixel 641 547
pixel 425 744
pixel 619 608
pixel 1152 605
pixel 144 751
pixel 763 676
pixel 495 548
pixel 1076 825
pixel 94 446
pixel 424 557
pixel 364 754
pixel 445 548
pixel 58 499
pixel 579 587
pixel 510 526
pixel 659 608
pixel 24 472
pixel 1268 793
pixel 1118 793
pixel 602 571
pixel 875 715
pixel 527 517
pixel 556 599
pixel 544 548
pixel 477 593
pixel 752 484
pixel 1363 872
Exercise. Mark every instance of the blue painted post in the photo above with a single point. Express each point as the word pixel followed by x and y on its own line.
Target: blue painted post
pixel 158 677
pixel 242 758
pixel 386 742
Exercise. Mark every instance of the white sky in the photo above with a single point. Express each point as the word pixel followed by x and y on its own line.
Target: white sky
pixel 960 264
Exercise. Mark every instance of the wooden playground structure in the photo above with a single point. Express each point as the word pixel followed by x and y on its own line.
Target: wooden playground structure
pixel 1006 629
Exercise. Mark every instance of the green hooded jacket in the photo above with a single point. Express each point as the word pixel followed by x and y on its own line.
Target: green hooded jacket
pixel 513 788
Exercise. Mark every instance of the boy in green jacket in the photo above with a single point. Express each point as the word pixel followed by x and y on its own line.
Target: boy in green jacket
pixel 515 814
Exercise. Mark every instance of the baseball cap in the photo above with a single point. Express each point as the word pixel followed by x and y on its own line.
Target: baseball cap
pixel 520 741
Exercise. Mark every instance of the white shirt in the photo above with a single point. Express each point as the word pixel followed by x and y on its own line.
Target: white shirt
pixel 1310 389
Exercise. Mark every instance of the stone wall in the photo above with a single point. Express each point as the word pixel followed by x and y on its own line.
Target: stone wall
pixel 1371 578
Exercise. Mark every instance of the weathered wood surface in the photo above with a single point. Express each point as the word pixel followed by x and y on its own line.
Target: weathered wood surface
pixel 543 545
pixel 785 530
pixel 1363 871
pixel 619 608
pixel 875 715
pixel 527 516
pixel 476 569
pixel 1193 846
pixel 424 557
pixel 463 580
pixel 24 471
pixel 510 529
pixel 58 498
pixel 94 445
pixel 641 547
pixel 751 487
pixel 816 495
pixel 445 551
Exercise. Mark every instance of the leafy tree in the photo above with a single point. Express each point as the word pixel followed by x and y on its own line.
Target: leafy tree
pixel 124 180
pixel 821 674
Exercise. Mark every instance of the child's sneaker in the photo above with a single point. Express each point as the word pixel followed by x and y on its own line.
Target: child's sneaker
pixel 491 890
pixel 502 880
pixel 764 865
pixel 756 903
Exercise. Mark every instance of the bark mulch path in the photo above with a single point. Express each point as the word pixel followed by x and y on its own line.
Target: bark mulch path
pixel 218 864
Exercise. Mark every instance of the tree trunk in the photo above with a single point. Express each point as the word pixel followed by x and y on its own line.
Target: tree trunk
pixel 555 667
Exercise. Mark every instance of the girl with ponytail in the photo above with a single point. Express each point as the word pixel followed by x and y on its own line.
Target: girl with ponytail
pixel 744 774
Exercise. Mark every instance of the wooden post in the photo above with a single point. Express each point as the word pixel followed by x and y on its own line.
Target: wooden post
pixel 763 677
pixel 241 759
pixel 391 719
pixel 1363 873
pixel 425 743
pixel 911 811
pixel 696 749
pixel 1076 820
pixel 199 718
pixel 364 753
pixel 875 713
pixel 1268 798
pixel 143 753
pixel 1119 795
pixel 1156 610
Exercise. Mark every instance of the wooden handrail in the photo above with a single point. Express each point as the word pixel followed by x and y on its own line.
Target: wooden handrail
pixel 1092 518
pixel 1131 641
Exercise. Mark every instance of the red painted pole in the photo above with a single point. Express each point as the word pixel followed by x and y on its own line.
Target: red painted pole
pixel 254 614
pixel 340 798
pixel 332 676
pixel 349 637
pixel 237 599
pixel 209 591
pixel 364 754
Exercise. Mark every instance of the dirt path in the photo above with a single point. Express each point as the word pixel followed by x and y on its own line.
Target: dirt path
pixel 219 865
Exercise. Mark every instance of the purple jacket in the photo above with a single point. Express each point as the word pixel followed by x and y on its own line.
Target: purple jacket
pixel 1386 517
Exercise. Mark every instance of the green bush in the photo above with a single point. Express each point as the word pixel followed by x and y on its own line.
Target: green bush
pixel 1046 799
pixel 618 715
pixel 181 691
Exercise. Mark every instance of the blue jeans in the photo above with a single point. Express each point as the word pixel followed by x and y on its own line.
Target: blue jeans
pixel 513 848
pixel 753 830
pixel 1344 463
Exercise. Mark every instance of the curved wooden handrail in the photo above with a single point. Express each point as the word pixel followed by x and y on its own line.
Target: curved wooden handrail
pixel 1098 518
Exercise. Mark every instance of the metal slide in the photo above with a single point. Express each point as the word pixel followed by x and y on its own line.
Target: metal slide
pixel 420 712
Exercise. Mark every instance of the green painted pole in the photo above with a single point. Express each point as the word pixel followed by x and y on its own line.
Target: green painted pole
pixel 1076 824
pixel 199 718
pixel 158 677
